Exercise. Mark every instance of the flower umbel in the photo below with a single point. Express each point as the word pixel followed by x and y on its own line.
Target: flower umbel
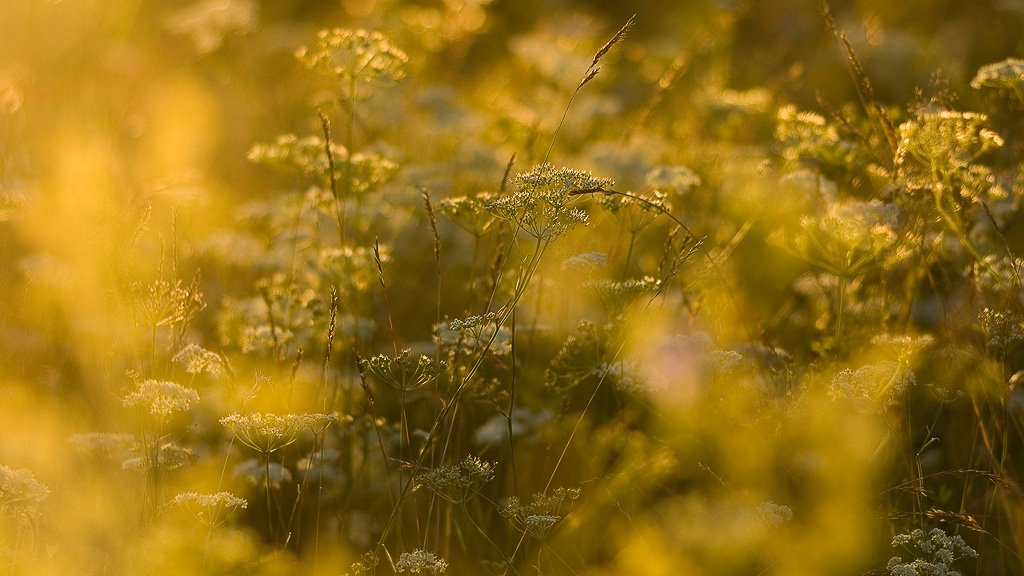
pixel 198 360
pixel 1005 74
pixel 935 553
pixel 104 444
pixel 540 205
pixel 1003 329
pixel 807 137
pixel 212 509
pixel 581 356
pixel 305 155
pixel 161 398
pixel 543 513
pixel 635 212
pixel 474 334
pixel 774 514
pixel 468 213
pixel 420 562
pixel 167 456
pixel 268 433
pixel 460 482
pixel 404 372
pixel 679 179
pixel 946 141
pixel 20 494
pixel 617 295
pixel 354 55
pixel 851 239
pixel 883 382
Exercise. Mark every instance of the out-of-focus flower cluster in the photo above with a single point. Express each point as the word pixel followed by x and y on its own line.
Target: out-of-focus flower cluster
pixel 210 508
pixel 881 384
pixel 20 494
pixel 355 55
pixel 1005 74
pixel 947 145
pixel 307 156
pixel 161 398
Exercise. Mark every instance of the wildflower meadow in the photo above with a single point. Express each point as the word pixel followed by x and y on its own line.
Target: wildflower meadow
pixel 522 288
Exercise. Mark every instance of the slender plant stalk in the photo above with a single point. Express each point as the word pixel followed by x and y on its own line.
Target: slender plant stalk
pixel 266 469
pixel 350 130
pixel 512 405
pixel 339 207
pixel 592 71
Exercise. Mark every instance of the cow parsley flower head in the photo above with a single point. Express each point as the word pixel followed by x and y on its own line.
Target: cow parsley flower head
pixel 354 55
pixel 543 513
pixel 617 295
pixel 940 151
pixel 1003 329
pixel 636 211
pixel 680 179
pixel 305 155
pixel 473 334
pixel 538 525
pixel 208 22
pixel 583 355
pixel 946 140
pixel 404 372
pixel 168 456
pixel 460 482
pixel 356 266
pixel 541 204
pixel 808 137
pixel 268 433
pixel 474 324
pixel 20 494
pixel 934 553
pixel 167 303
pixel 421 562
pixel 1006 74
pixel 587 262
pixel 553 183
pixel 104 444
pixel 810 188
pixel 903 343
pixel 468 213
pixel 198 360
pixel 881 383
pixel 161 398
pixel 851 238
pixel 773 514
pixel 210 508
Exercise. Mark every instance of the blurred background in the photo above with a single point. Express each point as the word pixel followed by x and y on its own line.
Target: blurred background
pixel 112 112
